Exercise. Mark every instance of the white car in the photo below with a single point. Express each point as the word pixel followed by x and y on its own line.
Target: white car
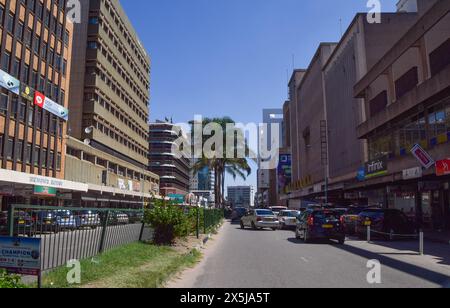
pixel 288 219
pixel 260 219
pixel 277 209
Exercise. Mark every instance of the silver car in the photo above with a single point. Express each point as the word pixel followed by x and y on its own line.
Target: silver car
pixel 288 219
pixel 260 219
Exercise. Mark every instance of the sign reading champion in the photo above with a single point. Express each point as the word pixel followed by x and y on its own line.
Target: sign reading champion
pixel 15 86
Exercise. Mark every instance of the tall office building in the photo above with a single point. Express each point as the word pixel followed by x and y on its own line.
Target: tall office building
pixel 109 100
pixel 202 183
pixel 174 171
pixel 35 52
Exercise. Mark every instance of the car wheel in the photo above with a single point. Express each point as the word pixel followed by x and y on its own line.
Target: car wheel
pixel 341 241
pixel 254 226
pixel 274 229
pixel 242 225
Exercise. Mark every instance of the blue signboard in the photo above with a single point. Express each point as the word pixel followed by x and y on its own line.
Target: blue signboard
pixel 20 255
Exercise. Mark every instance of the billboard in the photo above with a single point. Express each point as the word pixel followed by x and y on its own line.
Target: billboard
pixel 9 82
pixel 20 255
pixel 284 172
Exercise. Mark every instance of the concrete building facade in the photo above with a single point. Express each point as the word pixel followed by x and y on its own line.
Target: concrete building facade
pixel 241 196
pixel 35 53
pixel 109 97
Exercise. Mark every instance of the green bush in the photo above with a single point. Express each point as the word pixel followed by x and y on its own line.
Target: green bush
pixel 169 222
pixel 8 281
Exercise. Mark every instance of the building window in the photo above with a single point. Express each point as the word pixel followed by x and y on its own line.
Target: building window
pixel 9 148
pixel 3 103
pixel 378 104
pixel 407 82
pixel 5 61
pixel 440 58
pixel 18 150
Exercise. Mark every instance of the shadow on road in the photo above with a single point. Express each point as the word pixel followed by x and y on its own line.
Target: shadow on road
pixel 314 242
pixel 255 230
pixel 413 270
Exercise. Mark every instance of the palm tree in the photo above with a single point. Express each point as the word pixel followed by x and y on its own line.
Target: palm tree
pixel 235 167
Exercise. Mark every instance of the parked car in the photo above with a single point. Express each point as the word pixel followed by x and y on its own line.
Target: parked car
pixel 45 221
pixel 65 220
pixel 288 219
pixel 116 218
pixel 88 219
pixel 238 213
pixel 277 209
pixel 23 224
pixel 260 219
pixel 320 224
pixel 383 222
pixel 350 219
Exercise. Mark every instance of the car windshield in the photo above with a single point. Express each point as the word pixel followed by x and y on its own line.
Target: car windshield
pixel 289 214
pixel 375 214
pixel 240 210
pixel 264 213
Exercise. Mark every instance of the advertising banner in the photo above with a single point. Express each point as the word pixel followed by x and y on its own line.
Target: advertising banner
pixel 20 255
pixel 44 191
pixel 26 92
pixel 443 167
pixel 377 167
pixel 284 172
pixel 9 82
pixel 47 104
pixel 422 156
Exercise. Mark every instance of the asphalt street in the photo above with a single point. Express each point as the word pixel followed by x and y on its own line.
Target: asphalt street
pixel 275 259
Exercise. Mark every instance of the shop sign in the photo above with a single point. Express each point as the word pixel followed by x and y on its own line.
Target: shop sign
pixel 121 184
pixel 9 82
pixel 361 174
pixel 44 191
pixel 20 255
pixel 376 168
pixel 27 92
pixel 422 156
pixel 443 167
pixel 413 173
pixel 47 104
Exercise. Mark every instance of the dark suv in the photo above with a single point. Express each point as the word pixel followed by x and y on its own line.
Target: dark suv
pixel 320 224
pixel 383 222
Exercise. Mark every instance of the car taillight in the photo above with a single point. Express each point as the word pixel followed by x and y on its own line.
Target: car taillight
pixel 259 219
pixel 311 221
pixel 342 220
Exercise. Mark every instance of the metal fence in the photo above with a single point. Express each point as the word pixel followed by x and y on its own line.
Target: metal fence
pixel 73 233
pixel 212 217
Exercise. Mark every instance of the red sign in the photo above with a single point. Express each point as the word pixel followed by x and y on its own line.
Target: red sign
pixel 423 157
pixel 39 99
pixel 443 167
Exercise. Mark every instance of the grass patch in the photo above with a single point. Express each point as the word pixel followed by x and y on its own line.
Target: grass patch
pixel 136 265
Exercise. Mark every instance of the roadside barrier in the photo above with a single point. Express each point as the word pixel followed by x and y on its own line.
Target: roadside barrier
pixel 392 236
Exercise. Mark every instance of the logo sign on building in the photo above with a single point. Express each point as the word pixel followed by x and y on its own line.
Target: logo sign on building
pixel 44 191
pixel 361 174
pixel 26 92
pixel 20 255
pixel 422 156
pixel 376 168
pixel 443 167
pixel 413 173
pixel 47 104
pixel 9 82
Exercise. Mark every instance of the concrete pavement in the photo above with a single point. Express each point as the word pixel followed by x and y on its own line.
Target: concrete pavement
pixel 267 259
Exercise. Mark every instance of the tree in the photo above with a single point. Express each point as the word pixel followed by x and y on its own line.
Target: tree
pixel 221 164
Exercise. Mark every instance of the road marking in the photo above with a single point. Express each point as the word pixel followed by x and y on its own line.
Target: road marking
pixel 304 260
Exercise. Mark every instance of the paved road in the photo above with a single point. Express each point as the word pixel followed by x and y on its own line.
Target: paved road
pixel 266 259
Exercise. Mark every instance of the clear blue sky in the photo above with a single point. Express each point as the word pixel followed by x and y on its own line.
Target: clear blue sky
pixel 231 57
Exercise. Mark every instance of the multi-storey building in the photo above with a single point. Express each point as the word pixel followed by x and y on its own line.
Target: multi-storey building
pixel 109 100
pixel 170 162
pixel 406 98
pixel 202 183
pixel 241 196
pixel 35 53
